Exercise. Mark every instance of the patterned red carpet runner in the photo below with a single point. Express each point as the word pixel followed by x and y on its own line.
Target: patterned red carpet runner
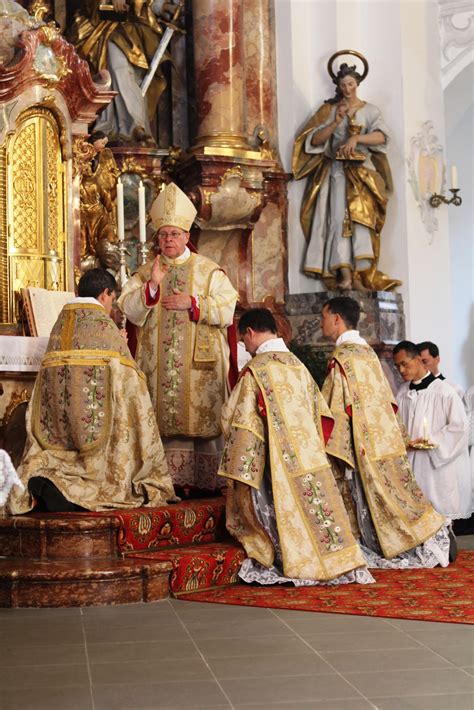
pixel 439 594
pixel 190 534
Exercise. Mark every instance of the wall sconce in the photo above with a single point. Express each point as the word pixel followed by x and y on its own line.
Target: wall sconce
pixel 437 200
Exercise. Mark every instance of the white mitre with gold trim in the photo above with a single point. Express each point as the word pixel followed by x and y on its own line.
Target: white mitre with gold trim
pixel 172 208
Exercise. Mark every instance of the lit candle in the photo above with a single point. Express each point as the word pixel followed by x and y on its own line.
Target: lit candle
pixel 425 430
pixel 141 213
pixel 454 177
pixel 120 214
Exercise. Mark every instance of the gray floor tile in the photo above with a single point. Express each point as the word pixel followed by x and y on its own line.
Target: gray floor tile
pixel 413 682
pixel 137 620
pixel 319 623
pixel 427 631
pixel 74 698
pixel 33 634
pixel 197 694
pixel 265 666
pixel 460 654
pixel 44 676
pixel 409 658
pixel 156 670
pixel 269 646
pixel 469 670
pixel 366 641
pixel 35 615
pixel 196 610
pixel 163 606
pixel 59 654
pixel 246 628
pixel 288 688
pixel 138 651
pixel 353 704
pixel 119 634
pixel 426 702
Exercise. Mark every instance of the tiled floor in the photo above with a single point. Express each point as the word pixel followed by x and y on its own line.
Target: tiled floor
pixel 177 654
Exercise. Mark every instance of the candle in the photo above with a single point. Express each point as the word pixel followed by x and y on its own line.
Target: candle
pixel 454 177
pixel 141 213
pixel 425 430
pixel 120 214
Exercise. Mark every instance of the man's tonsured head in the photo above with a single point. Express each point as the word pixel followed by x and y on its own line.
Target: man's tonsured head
pixel 255 327
pixel 172 215
pixel 429 353
pixel 98 284
pixel 408 361
pixel 338 315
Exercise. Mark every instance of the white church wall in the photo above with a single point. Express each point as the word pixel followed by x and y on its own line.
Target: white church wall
pixel 459 109
pixel 400 38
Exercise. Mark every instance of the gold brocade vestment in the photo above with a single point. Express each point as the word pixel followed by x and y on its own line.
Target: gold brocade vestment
pixel 367 437
pixel 313 527
pixel 186 363
pixel 90 423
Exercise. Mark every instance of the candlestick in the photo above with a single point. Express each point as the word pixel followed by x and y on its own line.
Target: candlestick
pixel 425 430
pixel 120 212
pixel 454 177
pixel 141 213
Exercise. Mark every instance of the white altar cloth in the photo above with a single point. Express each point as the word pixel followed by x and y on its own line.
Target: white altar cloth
pixel 21 353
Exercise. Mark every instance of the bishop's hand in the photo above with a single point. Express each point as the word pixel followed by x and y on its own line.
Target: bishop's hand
pixel 177 302
pixel 158 272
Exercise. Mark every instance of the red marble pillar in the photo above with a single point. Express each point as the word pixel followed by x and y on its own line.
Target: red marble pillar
pixel 218 58
pixel 260 70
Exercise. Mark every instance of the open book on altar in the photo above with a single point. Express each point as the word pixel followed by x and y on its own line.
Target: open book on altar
pixel 43 307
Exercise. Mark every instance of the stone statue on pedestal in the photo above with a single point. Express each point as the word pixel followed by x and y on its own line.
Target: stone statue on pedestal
pixel 342 153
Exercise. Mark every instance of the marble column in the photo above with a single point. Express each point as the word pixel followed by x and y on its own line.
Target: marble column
pixel 260 70
pixel 219 69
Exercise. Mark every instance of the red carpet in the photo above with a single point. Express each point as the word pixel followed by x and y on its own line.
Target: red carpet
pixel 190 522
pixel 439 594
pixel 199 567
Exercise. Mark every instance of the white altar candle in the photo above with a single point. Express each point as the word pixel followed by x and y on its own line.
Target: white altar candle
pixel 454 177
pixel 425 429
pixel 141 213
pixel 120 214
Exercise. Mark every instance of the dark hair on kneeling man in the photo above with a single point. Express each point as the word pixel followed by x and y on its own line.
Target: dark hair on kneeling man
pixel 347 308
pixel 259 319
pixel 94 282
pixel 406 345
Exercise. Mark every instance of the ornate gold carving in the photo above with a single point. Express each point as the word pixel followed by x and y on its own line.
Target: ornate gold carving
pixel 39 9
pixel 131 165
pixel 234 171
pixel 16 399
pixel 36 251
pixel 3 237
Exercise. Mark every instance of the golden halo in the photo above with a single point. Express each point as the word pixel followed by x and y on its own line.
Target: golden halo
pixel 353 53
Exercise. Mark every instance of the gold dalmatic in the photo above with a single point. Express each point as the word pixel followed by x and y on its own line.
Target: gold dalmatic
pixel 366 436
pixel 313 527
pixel 90 424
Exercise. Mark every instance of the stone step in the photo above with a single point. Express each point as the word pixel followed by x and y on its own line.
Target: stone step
pixel 57 536
pixel 55 583
pixel 199 567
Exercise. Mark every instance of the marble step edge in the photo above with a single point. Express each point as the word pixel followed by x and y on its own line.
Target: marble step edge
pixel 101 582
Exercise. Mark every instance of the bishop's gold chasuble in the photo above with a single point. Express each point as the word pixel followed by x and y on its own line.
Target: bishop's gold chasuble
pixel 90 423
pixel 367 437
pixel 186 363
pixel 313 527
